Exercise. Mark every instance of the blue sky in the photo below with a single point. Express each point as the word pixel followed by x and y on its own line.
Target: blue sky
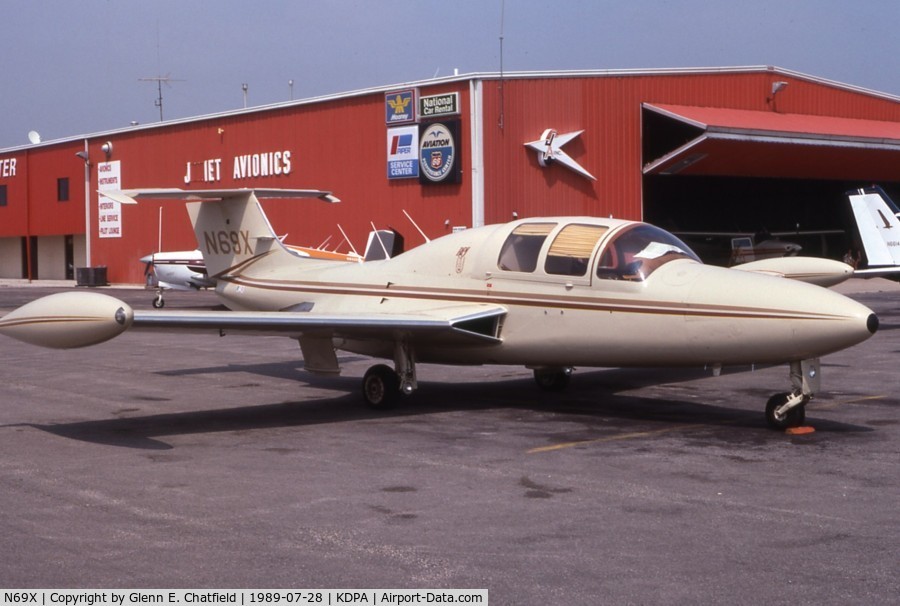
pixel 74 67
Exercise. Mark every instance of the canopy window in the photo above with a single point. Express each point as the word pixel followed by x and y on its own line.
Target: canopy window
pixel 521 249
pixel 570 252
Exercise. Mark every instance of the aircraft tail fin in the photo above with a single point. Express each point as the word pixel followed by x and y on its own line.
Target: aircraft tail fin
pixel 879 227
pixel 230 225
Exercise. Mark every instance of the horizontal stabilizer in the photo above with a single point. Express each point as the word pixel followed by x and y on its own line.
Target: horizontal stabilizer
pixel 130 196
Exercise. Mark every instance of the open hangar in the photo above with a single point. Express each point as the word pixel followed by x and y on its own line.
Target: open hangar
pixel 716 149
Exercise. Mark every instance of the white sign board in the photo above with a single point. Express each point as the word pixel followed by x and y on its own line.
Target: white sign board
pixel 109 212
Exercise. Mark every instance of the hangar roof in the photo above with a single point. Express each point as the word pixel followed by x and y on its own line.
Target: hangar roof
pixel 721 141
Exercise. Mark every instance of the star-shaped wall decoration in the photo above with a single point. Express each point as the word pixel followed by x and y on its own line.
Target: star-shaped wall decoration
pixel 549 149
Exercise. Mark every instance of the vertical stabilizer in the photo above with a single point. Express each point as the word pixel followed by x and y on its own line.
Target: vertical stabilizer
pixel 879 228
pixel 231 231
pixel 230 225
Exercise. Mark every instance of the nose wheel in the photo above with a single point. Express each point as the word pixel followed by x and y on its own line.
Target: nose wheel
pixel 787 410
pixel 780 416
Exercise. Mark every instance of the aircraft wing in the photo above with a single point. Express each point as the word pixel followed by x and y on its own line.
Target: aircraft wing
pixel 892 273
pixel 459 324
pixel 774 234
pixel 77 319
pixel 814 270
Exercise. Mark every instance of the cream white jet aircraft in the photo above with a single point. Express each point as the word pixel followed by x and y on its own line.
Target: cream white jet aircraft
pixel 547 293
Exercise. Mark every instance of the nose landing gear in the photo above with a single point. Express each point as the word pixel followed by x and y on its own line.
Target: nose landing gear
pixel 787 410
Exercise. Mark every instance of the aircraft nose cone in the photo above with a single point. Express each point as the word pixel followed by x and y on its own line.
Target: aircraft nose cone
pixel 740 316
pixel 872 323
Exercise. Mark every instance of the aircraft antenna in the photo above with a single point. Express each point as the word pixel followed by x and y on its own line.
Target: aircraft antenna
pixel 349 243
pixel 427 239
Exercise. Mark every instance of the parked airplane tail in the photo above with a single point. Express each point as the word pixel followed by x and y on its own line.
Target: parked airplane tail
pixel 230 225
pixel 877 220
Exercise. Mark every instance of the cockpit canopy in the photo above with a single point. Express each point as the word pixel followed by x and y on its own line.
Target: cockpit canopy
pixel 630 253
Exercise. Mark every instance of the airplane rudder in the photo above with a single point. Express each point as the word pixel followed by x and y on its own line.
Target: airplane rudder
pixel 228 231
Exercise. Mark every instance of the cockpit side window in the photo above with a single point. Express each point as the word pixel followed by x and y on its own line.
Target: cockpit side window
pixel 570 252
pixel 522 247
pixel 638 251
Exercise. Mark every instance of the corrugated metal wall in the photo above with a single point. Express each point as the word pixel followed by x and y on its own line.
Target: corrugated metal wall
pixel 608 108
pixel 339 146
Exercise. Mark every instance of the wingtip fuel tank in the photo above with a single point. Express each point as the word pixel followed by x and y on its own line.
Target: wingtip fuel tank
pixel 68 320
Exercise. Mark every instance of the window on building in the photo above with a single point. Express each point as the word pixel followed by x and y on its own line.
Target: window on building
pixel 62 189
pixel 2 195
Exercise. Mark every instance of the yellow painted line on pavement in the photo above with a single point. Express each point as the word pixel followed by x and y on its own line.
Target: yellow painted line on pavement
pixel 616 438
pixel 831 405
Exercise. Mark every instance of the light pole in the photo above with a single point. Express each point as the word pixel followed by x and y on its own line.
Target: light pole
pixel 87 203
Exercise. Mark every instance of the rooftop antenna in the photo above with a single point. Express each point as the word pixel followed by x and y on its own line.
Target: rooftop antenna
pixel 500 85
pixel 159 79
pixel 159 82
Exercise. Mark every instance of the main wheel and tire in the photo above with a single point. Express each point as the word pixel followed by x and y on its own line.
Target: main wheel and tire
pixel 552 380
pixel 381 386
pixel 794 418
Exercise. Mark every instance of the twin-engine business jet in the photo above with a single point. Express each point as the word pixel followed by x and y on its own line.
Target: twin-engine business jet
pixel 547 293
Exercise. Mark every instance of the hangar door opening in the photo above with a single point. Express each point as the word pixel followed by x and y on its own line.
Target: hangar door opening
pixel 713 175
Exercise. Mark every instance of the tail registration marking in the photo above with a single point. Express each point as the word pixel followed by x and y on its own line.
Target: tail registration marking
pixel 227 242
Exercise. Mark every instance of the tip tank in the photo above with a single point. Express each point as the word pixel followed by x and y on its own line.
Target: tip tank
pixel 67 320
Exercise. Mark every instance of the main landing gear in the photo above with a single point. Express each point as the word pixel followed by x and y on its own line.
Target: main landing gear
pixel 382 385
pixel 787 410
pixel 553 379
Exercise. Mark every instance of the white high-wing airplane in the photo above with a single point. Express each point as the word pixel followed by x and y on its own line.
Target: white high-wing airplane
pixel 548 293
pixel 878 221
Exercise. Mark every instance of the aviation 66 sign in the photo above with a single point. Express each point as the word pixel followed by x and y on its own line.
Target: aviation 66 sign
pixel 439 152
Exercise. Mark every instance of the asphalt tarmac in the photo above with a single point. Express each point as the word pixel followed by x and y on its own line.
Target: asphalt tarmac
pixel 195 461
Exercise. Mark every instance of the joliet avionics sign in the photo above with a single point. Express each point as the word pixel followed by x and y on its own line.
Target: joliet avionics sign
pixel 244 166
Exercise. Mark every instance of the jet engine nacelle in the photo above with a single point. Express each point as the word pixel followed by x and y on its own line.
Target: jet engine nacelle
pixel 68 320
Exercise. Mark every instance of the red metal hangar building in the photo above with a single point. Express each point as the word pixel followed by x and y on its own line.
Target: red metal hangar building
pixel 718 150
